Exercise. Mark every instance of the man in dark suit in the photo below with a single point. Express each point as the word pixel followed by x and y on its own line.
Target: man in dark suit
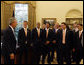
pixel 78 45
pixel 65 42
pixel 9 43
pixel 55 44
pixel 24 41
pixel 75 29
pixel 37 44
pixel 47 38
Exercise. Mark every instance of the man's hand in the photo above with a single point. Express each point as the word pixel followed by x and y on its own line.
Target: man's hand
pixel 12 56
pixel 54 42
pixel 47 42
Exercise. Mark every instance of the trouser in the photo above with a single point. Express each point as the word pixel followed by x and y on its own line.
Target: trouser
pixel 65 54
pixel 74 56
pixel 47 51
pixel 23 50
pixel 55 47
pixel 36 54
pixel 53 51
pixel 78 55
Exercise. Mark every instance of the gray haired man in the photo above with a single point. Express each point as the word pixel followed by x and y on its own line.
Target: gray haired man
pixel 9 42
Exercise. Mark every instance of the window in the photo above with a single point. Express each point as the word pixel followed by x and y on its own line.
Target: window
pixel 21 14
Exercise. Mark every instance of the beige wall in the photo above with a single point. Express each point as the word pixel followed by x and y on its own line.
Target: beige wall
pixel 51 9
pixel 56 9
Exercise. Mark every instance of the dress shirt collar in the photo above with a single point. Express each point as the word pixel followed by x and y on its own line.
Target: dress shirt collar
pixel 11 28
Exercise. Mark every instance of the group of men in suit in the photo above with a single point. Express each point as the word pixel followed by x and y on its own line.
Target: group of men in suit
pixel 45 42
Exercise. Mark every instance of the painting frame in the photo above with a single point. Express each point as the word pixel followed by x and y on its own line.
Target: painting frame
pixel 52 21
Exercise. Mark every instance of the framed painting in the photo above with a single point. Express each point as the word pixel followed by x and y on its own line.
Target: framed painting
pixel 52 21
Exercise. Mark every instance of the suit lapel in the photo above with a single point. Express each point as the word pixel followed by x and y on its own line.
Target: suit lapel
pixel 12 33
pixel 48 32
pixel 27 31
pixel 81 35
pixel 23 32
pixel 78 35
pixel 66 34
pixel 62 34
pixel 36 32
pixel 40 32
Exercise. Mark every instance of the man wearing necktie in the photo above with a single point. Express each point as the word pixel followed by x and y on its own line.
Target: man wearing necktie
pixel 9 42
pixel 37 44
pixel 47 37
pixel 75 29
pixel 78 46
pixel 65 41
pixel 24 41
pixel 55 44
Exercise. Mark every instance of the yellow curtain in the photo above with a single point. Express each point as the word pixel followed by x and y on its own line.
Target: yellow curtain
pixel 2 27
pixel 7 12
pixel 32 17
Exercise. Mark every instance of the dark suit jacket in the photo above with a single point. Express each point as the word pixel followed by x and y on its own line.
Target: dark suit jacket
pixel 68 39
pixel 35 38
pixel 49 38
pixel 9 42
pixel 78 43
pixel 22 38
pixel 55 36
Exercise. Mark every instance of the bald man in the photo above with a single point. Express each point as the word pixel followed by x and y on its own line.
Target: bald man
pixel 37 42
pixel 55 44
